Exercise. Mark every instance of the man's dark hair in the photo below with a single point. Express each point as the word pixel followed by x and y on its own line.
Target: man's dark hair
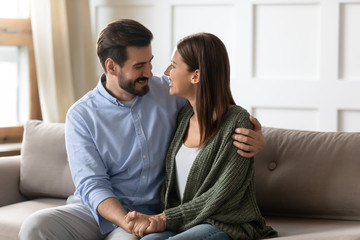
pixel 116 36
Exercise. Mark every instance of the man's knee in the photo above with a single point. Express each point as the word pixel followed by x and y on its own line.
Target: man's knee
pixel 37 226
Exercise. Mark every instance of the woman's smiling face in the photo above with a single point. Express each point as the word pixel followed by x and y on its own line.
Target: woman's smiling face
pixel 180 77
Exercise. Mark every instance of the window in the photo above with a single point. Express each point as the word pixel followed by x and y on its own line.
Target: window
pixel 19 100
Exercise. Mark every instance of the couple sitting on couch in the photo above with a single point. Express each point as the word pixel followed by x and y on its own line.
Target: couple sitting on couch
pixel 118 134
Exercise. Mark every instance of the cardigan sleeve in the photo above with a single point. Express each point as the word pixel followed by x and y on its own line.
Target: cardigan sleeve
pixel 229 176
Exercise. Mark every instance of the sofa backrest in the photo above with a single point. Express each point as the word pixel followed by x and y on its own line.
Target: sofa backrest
pixel 44 169
pixel 299 173
pixel 309 174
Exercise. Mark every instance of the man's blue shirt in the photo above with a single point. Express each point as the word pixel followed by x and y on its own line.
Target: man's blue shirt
pixel 119 151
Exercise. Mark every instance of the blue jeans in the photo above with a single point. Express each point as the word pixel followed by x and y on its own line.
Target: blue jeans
pixel 199 232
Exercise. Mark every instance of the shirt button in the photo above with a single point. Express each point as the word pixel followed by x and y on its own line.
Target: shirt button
pixel 144 156
pixel 132 109
pixel 139 132
pixel 143 177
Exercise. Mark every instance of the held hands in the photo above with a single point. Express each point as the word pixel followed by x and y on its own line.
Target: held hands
pixel 249 142
pixel 142 224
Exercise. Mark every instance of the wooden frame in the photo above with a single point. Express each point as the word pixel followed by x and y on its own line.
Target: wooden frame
pixel 17 32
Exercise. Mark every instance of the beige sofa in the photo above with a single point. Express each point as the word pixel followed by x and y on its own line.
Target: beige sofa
pixel 307 183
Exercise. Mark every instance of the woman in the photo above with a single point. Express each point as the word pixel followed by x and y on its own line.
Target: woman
pixel 208 192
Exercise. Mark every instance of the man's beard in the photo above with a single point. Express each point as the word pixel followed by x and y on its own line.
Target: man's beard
pixel 129 86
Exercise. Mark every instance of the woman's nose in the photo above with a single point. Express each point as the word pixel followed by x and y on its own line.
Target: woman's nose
pixel 167 71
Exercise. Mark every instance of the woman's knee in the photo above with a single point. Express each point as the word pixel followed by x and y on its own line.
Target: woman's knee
pixel 159 236
pixel 202 231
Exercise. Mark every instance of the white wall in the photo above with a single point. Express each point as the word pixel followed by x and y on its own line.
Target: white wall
pixel 295 64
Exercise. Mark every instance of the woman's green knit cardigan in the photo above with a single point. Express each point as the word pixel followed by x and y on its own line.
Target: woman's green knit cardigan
pixel 220 185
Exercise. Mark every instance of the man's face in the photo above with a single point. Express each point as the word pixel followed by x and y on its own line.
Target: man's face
pixel 134 75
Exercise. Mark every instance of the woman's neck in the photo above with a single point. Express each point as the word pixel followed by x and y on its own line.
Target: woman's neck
pixel 192 102
pixel 192 136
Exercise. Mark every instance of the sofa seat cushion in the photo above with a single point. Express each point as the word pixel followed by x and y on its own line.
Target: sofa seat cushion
pixel 314 229
pixel 12 216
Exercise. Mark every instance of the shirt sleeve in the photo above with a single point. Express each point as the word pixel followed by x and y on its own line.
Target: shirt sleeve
pixel 88 170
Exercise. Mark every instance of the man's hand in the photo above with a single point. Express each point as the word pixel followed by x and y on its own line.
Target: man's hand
pixel 143 224
pixel 249 142
pixel 112 210
pixel 138 221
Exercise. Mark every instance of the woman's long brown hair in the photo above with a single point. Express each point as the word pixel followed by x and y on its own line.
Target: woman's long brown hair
pixel 206 52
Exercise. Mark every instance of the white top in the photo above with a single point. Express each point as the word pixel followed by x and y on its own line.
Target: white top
pixel 183 162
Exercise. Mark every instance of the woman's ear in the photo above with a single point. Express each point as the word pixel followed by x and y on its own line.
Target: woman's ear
pixel 196 77
pixel 110 66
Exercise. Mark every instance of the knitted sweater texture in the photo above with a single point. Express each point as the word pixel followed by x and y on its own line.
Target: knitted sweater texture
pixel 220 185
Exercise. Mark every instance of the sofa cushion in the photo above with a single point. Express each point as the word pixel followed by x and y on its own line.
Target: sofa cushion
pixel 44 170
pixel 309 174
pixel 9 180
pixel 12 216
pixel 314 229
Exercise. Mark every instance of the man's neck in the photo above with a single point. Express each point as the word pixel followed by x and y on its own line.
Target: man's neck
pixel 117 93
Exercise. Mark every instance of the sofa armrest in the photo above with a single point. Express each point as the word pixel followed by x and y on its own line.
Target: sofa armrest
pixel 9 180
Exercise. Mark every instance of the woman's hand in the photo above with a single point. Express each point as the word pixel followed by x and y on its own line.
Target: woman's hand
pixel 157 223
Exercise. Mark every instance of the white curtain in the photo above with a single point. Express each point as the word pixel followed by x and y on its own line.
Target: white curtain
pixel 64 54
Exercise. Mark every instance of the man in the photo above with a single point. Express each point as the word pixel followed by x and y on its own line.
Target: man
pixel 117 137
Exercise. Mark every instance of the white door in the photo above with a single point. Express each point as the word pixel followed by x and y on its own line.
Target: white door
pixel 294 64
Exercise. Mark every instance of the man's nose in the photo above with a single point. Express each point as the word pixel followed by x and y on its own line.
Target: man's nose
pixel 148 71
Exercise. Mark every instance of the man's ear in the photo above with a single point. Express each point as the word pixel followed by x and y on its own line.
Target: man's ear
pixel 110 66
pixel 196 77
